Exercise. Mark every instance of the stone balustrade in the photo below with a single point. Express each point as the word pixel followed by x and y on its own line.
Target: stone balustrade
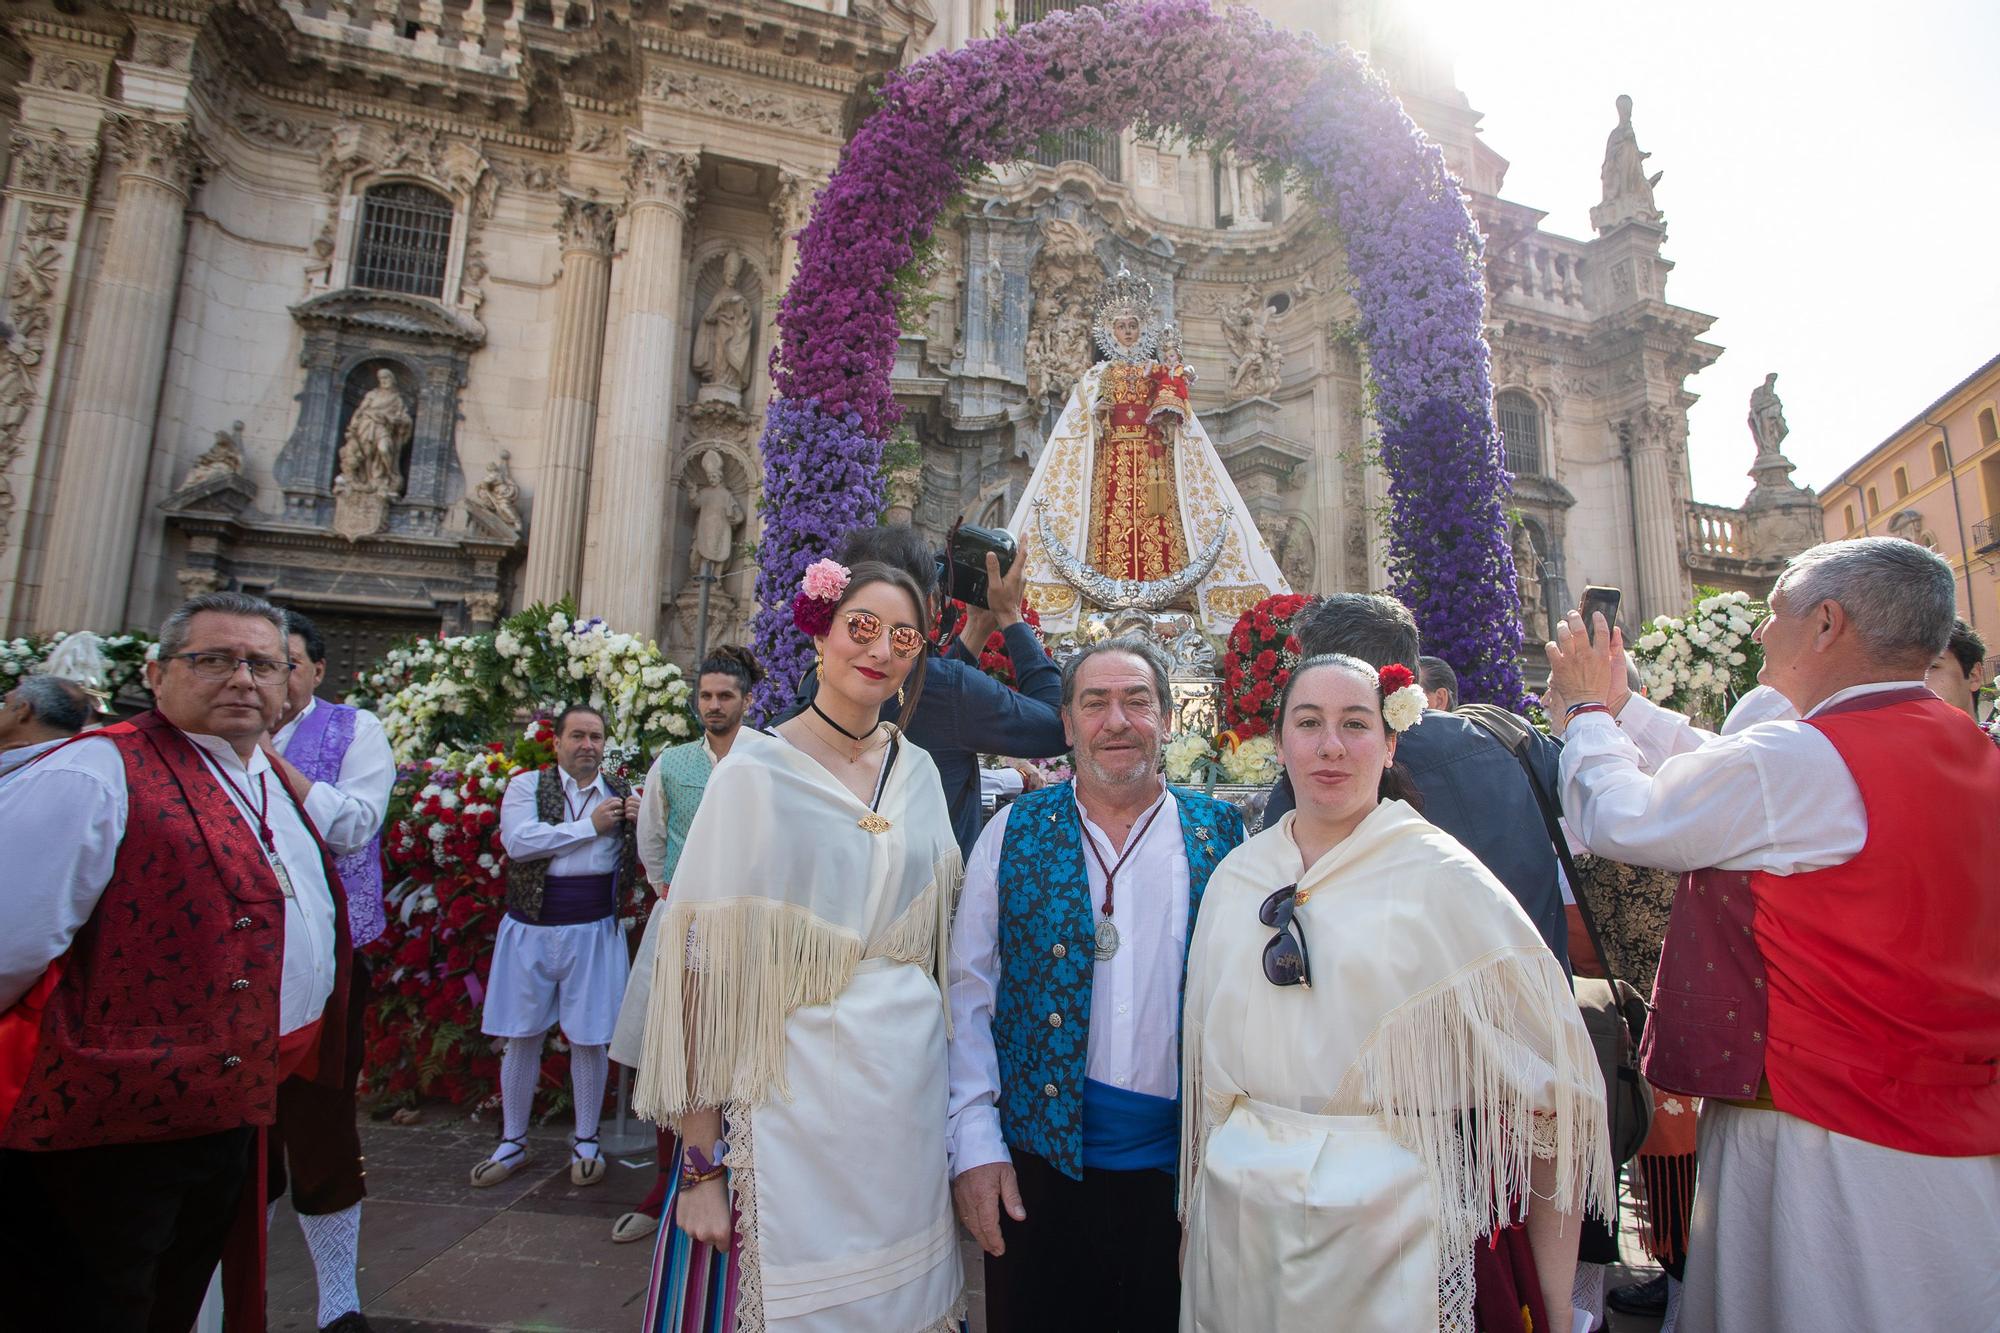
pixel 1714 532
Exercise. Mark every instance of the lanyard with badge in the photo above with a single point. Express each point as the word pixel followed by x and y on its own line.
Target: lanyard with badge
pixel 261 811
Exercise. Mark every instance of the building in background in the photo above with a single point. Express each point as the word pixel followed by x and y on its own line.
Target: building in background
pixel 412 312
pixel 1937 481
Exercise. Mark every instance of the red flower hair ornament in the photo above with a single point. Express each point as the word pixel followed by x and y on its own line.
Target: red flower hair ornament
pixel 820 591
pixel 1402 702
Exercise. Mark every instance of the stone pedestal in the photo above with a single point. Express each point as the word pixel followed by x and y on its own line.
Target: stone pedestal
pixel 576 363
pixel 624 566
pixel 94 528
pixel 359 513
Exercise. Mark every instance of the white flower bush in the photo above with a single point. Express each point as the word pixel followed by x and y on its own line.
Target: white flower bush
pixel 125 656
pixel 433 694
pixel 1702 663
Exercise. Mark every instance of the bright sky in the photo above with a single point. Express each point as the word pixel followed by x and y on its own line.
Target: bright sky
pixel 1832 189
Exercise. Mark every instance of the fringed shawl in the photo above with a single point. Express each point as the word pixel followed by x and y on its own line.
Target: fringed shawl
pixel 1435 1008
pixel 780 892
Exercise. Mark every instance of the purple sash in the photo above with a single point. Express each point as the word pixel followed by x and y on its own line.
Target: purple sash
pixel 575 900
pixel 317 746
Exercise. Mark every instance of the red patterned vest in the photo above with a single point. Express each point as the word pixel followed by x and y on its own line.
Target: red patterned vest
pixel 1867 994
pixel 163 1023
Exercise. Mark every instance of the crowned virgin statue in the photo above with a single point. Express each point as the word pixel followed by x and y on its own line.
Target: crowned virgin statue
pixel 1129 507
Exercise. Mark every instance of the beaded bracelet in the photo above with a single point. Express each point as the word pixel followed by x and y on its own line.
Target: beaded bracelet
pixel 1575 711
pixel 689 1179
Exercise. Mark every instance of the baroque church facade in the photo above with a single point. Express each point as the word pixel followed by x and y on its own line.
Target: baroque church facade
pixel 412 312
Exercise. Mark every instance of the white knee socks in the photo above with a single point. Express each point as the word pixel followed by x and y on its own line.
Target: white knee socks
pixel 1587 1292
pixel 588 1068
pixel 1673 1315
pixel 520 1069
pixel 335 1242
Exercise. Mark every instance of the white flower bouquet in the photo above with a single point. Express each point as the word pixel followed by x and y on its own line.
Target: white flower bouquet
pixel 1703 662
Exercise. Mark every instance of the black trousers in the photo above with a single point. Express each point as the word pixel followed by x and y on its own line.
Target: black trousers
pixel 116 1239
pixel 1102 1254
pixel 316 1134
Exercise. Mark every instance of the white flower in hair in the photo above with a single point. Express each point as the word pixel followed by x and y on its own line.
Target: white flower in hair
pixel 1402 702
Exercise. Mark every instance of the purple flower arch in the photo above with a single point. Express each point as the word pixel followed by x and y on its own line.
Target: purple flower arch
pixel 1276 98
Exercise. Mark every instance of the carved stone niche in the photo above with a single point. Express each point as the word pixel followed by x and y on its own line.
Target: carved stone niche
pixel 351 336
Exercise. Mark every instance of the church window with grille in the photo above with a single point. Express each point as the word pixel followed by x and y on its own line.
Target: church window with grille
pixel 405 240
pixel 1521 428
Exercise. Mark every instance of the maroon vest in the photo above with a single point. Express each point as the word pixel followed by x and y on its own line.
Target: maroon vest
pixel 164 1024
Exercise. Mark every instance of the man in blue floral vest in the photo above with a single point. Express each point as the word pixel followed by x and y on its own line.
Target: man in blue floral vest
pixel 1067 963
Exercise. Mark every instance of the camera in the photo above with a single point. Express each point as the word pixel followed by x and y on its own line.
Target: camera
pixel 961 566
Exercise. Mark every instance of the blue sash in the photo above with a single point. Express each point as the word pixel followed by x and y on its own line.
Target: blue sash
pixel 1129 1131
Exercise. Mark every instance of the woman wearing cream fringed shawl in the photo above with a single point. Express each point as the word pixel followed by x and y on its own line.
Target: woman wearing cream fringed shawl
pixel 805 1005
pixel 1345 1145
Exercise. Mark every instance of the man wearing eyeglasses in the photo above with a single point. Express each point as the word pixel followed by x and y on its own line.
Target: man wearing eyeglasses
pixel 173 946
pixel 1067 958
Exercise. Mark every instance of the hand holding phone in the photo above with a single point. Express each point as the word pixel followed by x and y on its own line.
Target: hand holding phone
pixel 1599 601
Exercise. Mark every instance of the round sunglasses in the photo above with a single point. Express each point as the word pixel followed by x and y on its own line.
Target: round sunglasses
pixel 1285 960
pixel 864 627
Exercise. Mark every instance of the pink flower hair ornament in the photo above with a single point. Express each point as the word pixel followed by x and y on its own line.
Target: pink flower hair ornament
pixel 820 591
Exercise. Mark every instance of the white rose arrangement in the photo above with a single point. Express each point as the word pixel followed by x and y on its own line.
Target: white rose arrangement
pixel 1701 663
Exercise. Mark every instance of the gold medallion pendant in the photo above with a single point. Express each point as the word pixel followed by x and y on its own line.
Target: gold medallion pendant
pixel 874 823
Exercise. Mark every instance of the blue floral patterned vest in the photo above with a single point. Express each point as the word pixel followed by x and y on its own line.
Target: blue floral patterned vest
pixel 1048 964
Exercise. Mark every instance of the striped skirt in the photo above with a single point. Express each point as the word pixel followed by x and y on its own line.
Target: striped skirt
pixel 693 1288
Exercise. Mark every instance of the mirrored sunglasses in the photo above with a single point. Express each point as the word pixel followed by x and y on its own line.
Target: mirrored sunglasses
pixel 864 627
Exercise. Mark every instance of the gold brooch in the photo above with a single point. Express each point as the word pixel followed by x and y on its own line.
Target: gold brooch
pixel 874 823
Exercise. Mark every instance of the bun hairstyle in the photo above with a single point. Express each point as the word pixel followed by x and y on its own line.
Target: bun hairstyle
pixel 732 660
pixel 869 572
pixel 1396 784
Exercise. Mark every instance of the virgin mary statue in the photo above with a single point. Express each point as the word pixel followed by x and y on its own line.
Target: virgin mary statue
pixel 1129 507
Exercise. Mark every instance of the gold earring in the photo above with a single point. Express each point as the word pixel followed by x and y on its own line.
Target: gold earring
pixel 819 665
pixel 902 696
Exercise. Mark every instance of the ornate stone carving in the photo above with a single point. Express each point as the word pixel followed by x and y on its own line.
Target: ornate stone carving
pixel 371 451
pixel 346 152
pixel 1528 576
pixel 221 461
pixel 1065 278
pixel 51 164
pixel 1257 364
pixel 586 225
pixel 67 75
pixel 495 502
pixel 592 138
pixel 482 608
pixel 1628 190
pixel 756 108
pixel 1767 416
pixel 722 338
pixel 269 127
pixel 159 150
pixel 661 175
pixel 163 50
pixel 31 289
pixel 792 201
pixel 198 582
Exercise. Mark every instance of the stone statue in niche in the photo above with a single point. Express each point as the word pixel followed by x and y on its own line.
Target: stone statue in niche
pixel 1628 190
pixel 717 514
pixel 722 342
pixel 223 459
pixel 1767 416
pixel 372 449
pixel 1528 573
pixel 1257 368
pixel 497 494
pixel 370 459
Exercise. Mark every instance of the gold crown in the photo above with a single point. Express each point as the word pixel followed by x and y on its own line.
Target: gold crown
pixel 1125 294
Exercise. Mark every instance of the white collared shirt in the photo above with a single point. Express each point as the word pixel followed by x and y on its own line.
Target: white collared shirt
pixel 349 810
pixel 76 807
pixel 651 829
pixel 14 760
pixel 1772 796
pixel 1134 1038
pixel 571 847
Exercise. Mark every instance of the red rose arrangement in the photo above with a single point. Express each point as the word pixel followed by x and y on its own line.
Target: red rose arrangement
pixel 448 877
pixel 1261 652
pixel 993 658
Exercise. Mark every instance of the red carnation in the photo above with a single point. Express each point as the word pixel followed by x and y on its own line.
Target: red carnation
pixel 1394 677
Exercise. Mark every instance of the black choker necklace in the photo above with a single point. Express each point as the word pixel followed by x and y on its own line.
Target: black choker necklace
pixel 853 736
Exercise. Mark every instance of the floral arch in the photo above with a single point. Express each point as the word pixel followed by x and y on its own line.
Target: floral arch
pixel 1277 98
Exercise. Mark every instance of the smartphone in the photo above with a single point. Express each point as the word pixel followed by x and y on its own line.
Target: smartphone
pixel 1600 600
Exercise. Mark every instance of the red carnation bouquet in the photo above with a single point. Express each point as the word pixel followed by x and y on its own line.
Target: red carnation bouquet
pixel 1261 653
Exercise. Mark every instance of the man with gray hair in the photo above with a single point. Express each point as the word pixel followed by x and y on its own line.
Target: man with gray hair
pixel 1065 982
pixel 173 947
pixel 1831 977
pixel 1438 682
pixel 39 714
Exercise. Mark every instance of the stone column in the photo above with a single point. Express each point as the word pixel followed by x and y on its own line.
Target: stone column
pixel 50 180
pixel 94 528
pixel 576 361
pixel 1658 518
pixel 625 558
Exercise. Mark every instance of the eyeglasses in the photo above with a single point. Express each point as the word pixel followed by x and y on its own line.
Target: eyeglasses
pixel 1285 959
pixel 864 627
pixel 221 666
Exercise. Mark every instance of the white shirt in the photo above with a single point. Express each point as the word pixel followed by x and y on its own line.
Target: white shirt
pixel 1773 796
pixel 349 810
pixel 995 783
pixel 63 828
pixel 14 760
pixel 573 847
pixel 1134 1039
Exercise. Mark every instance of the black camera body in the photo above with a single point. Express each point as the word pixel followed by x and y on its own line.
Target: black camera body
pixel 961 566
